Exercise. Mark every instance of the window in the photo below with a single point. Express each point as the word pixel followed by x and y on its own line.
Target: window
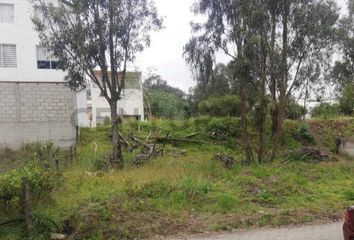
pixel 7 13
pixel 8 57
pixel 45 59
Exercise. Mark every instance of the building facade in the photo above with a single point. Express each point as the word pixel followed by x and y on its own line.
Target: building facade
pixel 35 104
pixel 130 107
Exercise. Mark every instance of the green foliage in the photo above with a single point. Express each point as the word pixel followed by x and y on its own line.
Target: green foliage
pixel 346 101
pixel 162 100
pixel 223 128
pixel 165 105
pixel 294 111
pixel 42 181
pixel 106 121
pixel 224 106
pixel 170 190
pixel 349 194
pixel 304 134
pixel 326 110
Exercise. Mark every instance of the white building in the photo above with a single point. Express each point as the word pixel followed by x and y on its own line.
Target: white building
pixel 35 105
pixel 130 107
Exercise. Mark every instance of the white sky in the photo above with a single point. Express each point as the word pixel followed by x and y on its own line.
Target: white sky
pixel 165 53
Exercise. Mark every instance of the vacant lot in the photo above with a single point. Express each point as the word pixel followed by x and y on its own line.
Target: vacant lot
pixel 187 189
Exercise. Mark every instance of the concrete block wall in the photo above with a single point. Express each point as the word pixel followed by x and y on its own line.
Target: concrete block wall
pixel 36 112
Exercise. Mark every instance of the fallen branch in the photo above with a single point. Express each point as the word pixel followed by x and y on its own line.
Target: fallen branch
pixel 192 134
pixel 124 140
pixel 172 140
pixel 135 139
pixel 148 136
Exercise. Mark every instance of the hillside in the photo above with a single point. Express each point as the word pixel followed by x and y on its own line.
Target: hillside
pixel 188 190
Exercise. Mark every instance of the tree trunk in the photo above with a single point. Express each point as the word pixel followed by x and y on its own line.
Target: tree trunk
pixel 273 83
pixel 305 99
pixel 244 128
pixel 262 101
pixel 283 83
pixel 117 157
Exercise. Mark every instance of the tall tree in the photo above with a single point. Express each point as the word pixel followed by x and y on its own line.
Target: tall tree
pixel 343 70
pixel 87 35
pixel 307 33
pixel 229 26
pixel 270 43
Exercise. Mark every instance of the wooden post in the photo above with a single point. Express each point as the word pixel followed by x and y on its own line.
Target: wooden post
pixel 27 206
pixel 57 164
pixel 71 155
pixel 77 134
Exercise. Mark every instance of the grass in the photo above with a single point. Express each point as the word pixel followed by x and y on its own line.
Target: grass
pixel 195 193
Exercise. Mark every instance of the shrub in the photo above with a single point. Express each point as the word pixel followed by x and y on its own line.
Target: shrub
pixel 42 181
pixel 304 134
pixel 325 110
pixel 228 105
pixel 223 128
pixel 346 101
pixel 294 111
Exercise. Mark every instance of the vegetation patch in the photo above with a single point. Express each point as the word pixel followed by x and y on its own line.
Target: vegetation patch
pixel 191 192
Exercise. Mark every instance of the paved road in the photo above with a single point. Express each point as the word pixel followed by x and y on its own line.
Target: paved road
pixel 332 231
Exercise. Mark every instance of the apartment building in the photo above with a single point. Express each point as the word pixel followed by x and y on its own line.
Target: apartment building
pixel 130 107
pixel 35 104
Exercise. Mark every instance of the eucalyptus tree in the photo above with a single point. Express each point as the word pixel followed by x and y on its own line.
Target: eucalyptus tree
pixel 234 27
pixel 306 35
pixel 105 35
pixel 271 43
pixel 343 70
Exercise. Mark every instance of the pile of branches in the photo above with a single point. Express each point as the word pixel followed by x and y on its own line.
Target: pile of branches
pixel 311 154
pixel 228 161
pixel 149 150
pixel 154 146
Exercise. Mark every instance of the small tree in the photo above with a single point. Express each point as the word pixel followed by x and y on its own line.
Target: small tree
pixel 87 35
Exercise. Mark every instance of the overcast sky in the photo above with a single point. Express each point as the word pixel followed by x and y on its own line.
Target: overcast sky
pixel 165 54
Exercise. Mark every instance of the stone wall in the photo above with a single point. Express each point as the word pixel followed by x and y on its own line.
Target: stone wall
pixel 347 146
pixel 36 112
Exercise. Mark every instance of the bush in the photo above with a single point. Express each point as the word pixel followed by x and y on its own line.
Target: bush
pixel 304 134
pixel 294 111
pixel 222 128
pixel 225 106
pixel 346 101
pixel 42 181
pixel 326 110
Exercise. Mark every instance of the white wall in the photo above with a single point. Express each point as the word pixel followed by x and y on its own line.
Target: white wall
pixel 132 98
pixel 81 106
pixel 22 33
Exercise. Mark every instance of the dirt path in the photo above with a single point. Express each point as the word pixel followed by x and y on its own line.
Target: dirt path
pixel 332 231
